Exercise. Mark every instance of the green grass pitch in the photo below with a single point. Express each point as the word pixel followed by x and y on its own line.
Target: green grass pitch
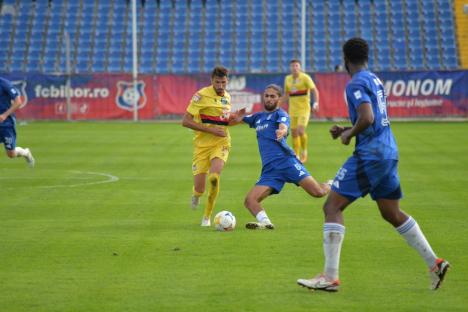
pixel 73 240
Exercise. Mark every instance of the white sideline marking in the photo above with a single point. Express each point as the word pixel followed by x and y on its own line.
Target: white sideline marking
pixel 110 178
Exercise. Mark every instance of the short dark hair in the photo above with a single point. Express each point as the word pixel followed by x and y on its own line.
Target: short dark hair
pixel 294 61
pixel 275 87
pixel 356 50
pixel 219 71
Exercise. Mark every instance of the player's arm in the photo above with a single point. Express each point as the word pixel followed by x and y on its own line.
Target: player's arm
pixel 364 120
pixel 313 92
pixel 235 118
pixel 188 122
pixel 315 103
pixel 337 130
pixel 284 99
pixel 15 104
pixel 282 131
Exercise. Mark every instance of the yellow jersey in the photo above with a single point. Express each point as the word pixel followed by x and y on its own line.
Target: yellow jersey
pixel 298 90
pixel 212 110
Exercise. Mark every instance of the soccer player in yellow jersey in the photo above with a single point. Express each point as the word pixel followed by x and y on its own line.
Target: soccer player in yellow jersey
pixel 208 114
pixel 298 86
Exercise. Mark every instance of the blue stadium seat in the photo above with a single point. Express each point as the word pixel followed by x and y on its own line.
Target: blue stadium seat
pixel 432 59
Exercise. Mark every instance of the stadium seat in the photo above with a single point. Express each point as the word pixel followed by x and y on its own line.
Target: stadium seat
pixel 243 27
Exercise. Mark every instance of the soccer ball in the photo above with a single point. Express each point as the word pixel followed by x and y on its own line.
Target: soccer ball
pixel 224 221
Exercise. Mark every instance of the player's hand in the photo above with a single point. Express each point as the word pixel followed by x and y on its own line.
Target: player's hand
pixel 346 136
pixel 315 107
pixel 237 116
pixel 325 187
pixel 281 133
pixel 336 131
pixel 218 131
pixel 3 117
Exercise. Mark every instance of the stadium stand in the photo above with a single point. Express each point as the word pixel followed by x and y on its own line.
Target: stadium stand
pixel 246 36
pixel 461 18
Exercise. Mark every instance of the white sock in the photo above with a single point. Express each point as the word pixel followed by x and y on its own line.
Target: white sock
pixel 415 238
pixel 20 151
pixel 333 235
pixel 262 217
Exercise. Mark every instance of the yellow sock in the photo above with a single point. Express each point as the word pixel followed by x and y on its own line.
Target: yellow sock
pixel 304 141
pixel 297 145
pixel 213 190
pixel 195 193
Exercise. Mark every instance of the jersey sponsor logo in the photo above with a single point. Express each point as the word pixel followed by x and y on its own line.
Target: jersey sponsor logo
pixel 20 86
pixel 261 127
pixel 224 101
pixel 283 119
pixel 127 95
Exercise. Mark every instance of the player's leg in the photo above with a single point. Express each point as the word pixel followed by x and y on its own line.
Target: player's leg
pixel 303 121
pixel 217 165
pixel 313 188
pixel 333 235
pixel 8 137
pixel 252 203
pixel 349 184
pixel 200 167
pixel 199 181
pixel 296 140
pixel 387 194
pixel 409 229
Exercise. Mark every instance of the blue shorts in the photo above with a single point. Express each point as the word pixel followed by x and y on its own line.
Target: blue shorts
pixel 277 173
pixel 8 137
pixel 359 177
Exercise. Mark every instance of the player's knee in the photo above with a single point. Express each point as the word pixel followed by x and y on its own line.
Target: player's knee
pixel 331 210
pixel 394 217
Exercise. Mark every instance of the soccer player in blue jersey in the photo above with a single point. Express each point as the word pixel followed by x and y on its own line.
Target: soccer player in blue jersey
pixel 9 102
pixel 279 163
pixel 371 169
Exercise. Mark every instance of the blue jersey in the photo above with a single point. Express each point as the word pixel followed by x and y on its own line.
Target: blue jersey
pixel 266 124
pixel 377 141
pixel 7 94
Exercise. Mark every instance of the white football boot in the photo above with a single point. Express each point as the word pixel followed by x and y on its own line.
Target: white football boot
pixel 320 282
pixel 29 158
pixel 437 273
pixel 195 202
pixel 205 222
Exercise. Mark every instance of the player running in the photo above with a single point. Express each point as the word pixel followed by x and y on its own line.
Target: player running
pixel 207 114
pixel 279 163
pixel 297 87
pixel 372 169
pixel 9 102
